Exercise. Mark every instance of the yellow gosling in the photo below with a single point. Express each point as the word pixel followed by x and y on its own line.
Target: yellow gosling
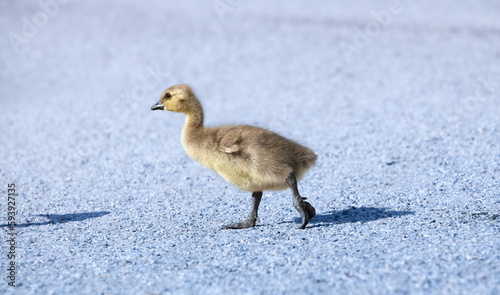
pixel 252 158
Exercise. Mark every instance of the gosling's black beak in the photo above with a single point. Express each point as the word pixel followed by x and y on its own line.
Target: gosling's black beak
pixel 158 106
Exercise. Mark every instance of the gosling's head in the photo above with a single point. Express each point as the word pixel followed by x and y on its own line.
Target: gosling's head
pixel 178 98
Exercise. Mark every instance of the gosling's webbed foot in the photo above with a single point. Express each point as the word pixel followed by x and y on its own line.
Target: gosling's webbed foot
pixel 307 214
pixel 240 225
pixel 310 209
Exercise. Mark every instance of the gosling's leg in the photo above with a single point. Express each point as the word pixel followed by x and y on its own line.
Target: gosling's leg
pixel 305 209
pixel 250 221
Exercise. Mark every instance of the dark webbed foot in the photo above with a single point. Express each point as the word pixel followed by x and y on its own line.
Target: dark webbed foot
pixel 309 213
pixel 306 210
pixel 240 225
pixel 252 218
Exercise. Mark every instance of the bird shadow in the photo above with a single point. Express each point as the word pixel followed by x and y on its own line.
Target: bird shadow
pixel 352 215
pixel 61 218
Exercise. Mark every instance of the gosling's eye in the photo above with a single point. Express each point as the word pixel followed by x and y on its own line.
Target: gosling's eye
pixel 168 95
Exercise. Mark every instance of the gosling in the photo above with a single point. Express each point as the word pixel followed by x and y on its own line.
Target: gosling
pixel 252 158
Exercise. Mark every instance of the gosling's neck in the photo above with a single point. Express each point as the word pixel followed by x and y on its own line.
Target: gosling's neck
pixel 194 123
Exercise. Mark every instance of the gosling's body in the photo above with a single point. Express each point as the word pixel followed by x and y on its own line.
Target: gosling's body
pixel 252 158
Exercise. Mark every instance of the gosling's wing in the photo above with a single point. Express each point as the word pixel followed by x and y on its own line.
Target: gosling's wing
pixel 230 140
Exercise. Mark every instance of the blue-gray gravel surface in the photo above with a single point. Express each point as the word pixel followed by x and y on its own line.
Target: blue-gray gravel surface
pixel 399 99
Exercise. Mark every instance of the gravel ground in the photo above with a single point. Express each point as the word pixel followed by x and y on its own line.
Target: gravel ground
pixel 400 100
